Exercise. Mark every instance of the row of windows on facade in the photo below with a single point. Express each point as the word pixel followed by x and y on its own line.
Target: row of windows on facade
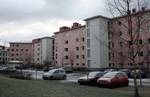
pixel 18 59
pixel 77 64
pixel 121 44
pixel 120 33
pixel 77 57
pixel 18 50
pixel 77 40
pixel 129 54
pixel 77 48
pixel 3 54
pixel 3 59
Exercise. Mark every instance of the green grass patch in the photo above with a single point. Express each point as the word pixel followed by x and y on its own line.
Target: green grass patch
pixel 39 88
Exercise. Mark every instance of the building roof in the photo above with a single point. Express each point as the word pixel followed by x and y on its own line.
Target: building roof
pixel 70 29
pixel 43 38
pixel 97 16
pixel 117 17
pixel 20 42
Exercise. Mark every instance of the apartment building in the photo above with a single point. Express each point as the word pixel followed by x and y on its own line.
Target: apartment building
pixel 3 55
pixel 70 46
pixel 97 42
pixel 43 51
pixel 120 42
pixel 20 51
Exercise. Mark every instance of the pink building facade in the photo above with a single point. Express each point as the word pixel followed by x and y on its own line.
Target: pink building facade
pixel 19 51
pixel 70 46
pixel 120 41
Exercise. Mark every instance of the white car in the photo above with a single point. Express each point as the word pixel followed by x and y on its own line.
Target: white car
pixel 55 74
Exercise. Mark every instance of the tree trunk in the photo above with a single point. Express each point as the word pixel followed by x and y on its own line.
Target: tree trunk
pixel 136 91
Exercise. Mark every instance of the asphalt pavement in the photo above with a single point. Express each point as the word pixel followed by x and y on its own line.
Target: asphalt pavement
pixel 73 77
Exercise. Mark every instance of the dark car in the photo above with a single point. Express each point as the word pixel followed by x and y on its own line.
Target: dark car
pixel 91 78
pixel 113 79
pixel 127 71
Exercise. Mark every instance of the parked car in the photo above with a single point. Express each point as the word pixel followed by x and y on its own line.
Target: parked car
pixel 55 74
pixel 110 70
pixel 8 69
pixel 127 71
pixel 113 79
pixel 46 69
pixel 91 78
pixel 138 73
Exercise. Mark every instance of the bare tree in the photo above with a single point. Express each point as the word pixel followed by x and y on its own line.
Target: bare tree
pixel 128 26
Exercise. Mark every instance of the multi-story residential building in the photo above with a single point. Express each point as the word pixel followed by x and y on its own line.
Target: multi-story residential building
pixel 42 51
pixel 122 44
pixel 97 42
pixel 109 44
pixel 3 55
pixel 19 51
pixel 70 46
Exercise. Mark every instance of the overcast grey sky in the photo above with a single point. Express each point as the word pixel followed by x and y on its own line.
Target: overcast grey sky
pixel 23 20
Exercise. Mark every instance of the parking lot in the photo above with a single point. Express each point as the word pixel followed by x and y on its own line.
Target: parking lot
pixel 73 77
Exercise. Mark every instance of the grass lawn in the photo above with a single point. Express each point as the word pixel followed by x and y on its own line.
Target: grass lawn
pixel 38 88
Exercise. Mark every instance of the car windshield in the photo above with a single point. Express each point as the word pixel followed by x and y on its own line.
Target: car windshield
pixel 51 71
pixel 109 75
pixel 93 74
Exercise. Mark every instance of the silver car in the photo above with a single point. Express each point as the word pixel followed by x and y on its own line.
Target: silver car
pixel 55 74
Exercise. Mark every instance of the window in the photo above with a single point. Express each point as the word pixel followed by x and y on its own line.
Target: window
pixel 17 54
pixel 120 44
pixel 12 54
pixel 88 32
pixel 83 47
pixel 66 49
pixel 77 64
pixel 149 40
pixel 120 33
pixel 66 57
pixel 83 56
pixel 77 39
pixel 119 23
pixel 77 56
pixel 17 50
pixel 140 41
pixel 140 54
pixel 88 53
pixel 89 62
pixel 21 49
pixel 12 49
pixel 66 42
pixel 17 45
pixel 83 39
pixel 77 48
pixel 120 54
pixel 26 50
pixel 88 42
pixel 83 64
pixel 129 42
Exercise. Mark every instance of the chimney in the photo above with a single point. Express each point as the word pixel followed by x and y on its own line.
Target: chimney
pixel 64 28
pixel 134 10
pixel 76 25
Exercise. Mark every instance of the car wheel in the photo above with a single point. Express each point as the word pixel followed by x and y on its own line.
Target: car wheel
pixel 112 86
pixel 51 77
pixel 64 78
pixel 126 84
